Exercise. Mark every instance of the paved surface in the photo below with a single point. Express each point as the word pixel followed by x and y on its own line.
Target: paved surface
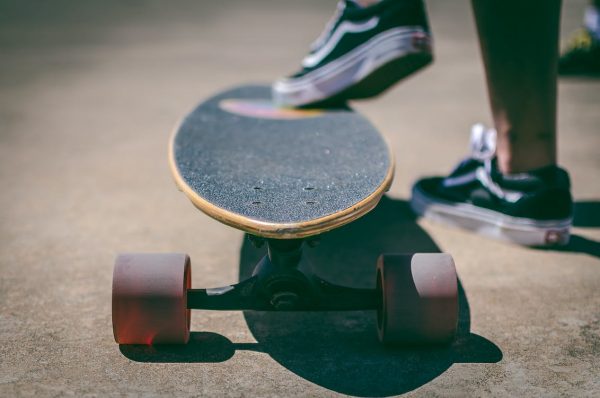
pixel 88 94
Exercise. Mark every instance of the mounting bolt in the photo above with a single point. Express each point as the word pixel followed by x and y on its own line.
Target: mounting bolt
pixel 284 301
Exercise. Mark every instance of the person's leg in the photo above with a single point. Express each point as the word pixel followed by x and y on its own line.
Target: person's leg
pixel 510 186
pixel 519 44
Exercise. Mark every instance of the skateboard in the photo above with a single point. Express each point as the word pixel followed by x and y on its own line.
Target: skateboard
pixel 284 176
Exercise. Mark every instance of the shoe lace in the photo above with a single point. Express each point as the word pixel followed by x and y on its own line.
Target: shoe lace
pixel 483 142
pixel 319 41
pixel 482 147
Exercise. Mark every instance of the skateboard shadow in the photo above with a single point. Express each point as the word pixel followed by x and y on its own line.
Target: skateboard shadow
pixel 340 350
pixel 203 347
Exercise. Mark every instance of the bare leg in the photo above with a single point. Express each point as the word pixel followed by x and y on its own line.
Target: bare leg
pixel 519 44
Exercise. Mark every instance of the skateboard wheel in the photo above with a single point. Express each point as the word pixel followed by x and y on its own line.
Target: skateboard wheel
pixel 149 298
pixel 419 298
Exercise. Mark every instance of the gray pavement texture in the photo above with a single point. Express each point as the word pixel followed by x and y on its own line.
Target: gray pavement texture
pixel 89 92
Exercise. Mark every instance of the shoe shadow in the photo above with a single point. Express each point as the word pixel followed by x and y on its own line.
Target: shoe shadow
pixel 340 350
pixel 579 244
pixel 586 214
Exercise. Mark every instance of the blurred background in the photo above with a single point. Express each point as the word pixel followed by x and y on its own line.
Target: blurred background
pixel 89 92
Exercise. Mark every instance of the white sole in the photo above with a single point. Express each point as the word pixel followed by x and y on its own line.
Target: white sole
pixel 492 224
pixel 351 68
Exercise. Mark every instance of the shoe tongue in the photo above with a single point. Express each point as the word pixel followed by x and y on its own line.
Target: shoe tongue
pixel 483 142
pixel 482 147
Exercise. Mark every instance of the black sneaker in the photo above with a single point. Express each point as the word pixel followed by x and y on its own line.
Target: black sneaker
pixel 581 57
pixel 362 52
pixel 532 209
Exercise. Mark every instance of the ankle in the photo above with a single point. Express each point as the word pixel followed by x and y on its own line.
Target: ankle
pixel 508 166
pixel 528 155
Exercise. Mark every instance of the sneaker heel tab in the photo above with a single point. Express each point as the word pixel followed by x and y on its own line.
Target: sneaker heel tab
pixel 563 178
pixel 553 176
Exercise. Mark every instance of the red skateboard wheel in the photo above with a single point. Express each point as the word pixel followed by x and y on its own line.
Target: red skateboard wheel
pixel 419 298
pixel 149 298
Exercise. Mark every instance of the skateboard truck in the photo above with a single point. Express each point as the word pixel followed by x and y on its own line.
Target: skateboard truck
pixel 283 281
pixel 415 295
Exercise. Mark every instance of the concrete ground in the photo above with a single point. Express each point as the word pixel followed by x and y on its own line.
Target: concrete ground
pixel 88 94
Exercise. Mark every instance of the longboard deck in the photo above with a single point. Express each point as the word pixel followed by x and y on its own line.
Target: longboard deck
pixel 278 173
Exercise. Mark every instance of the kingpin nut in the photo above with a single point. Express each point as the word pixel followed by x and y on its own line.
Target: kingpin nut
pixel 284 301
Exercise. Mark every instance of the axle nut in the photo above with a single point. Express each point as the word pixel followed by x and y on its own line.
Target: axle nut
pixel 284 301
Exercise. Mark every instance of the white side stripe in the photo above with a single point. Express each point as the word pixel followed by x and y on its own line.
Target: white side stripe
pixel 459 180
pixel 402 36
pixel 484 178
pixel 481 175
pixel 345 27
